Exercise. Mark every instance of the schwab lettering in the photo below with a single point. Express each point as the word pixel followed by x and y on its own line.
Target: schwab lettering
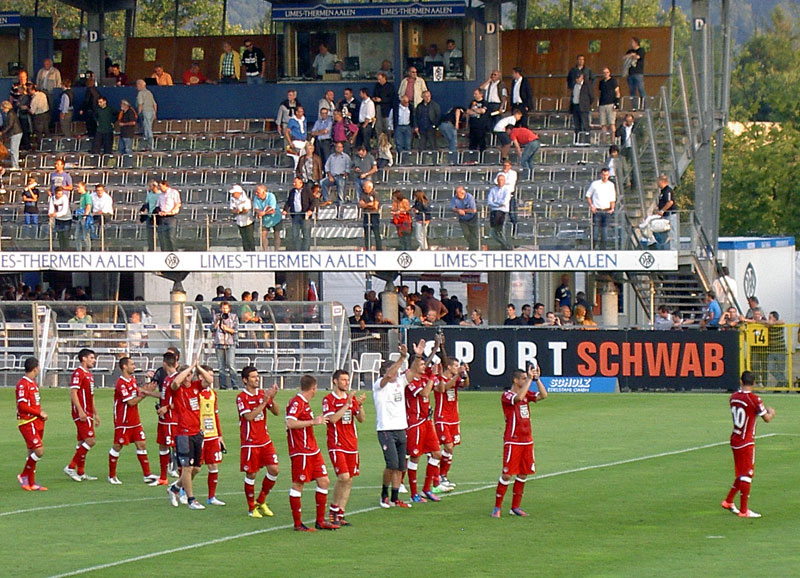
pixel 688 359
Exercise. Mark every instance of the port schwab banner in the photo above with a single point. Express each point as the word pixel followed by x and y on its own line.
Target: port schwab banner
pixel 637 359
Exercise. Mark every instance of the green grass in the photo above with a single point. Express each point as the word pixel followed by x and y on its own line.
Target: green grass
pixel 650 517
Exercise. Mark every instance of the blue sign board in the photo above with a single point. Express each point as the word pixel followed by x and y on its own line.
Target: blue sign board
pixel 580 384
pixel 9 20
pixel 393 11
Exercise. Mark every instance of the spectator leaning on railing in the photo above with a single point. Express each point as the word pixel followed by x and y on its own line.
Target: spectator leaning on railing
pixel 169 205
pixel 226 335
pixel 242 210
pixel 266 208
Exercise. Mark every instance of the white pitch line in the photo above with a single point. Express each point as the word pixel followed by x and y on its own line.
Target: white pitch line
pixel 373 508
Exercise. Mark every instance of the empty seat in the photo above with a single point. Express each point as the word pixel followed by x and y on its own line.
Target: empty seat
pixel 226 160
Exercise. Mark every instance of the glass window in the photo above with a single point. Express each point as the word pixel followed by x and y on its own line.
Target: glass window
pixel 439 49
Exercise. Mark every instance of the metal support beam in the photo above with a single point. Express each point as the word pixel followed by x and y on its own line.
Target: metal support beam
pixel 491 42
pixel 95 46
pixel 522 14
pixel 224 15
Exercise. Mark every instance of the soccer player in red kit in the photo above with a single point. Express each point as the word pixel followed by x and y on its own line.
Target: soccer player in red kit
pixel 188 437
pixel 518 456
pixel 213 443
pixel 30 419
pixel 84 414
pixel 307 462
pixel 446 419
pixel 746 408
pixel 257 448
pixel 342 409
pixel 165 436
pixel 127 424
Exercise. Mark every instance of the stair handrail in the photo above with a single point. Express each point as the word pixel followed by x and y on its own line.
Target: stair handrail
pixel 705 256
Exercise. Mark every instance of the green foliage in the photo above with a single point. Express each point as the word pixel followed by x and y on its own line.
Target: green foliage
pixel 66 19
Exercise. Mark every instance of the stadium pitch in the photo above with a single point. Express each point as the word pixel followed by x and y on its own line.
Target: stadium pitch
pixel 626 485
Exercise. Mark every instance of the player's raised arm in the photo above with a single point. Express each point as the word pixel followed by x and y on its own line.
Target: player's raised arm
pixel 391 372
pixel 535 374
pixel 182 376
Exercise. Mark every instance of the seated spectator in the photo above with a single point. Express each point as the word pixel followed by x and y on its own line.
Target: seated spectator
pixel 162 77
pixel 137 336
pixel 81 316
pixel 566 315
pixel 114 72
pixel 432 320
pixel 551 320
pixel 730 319
pixel 433 56
pixel 193 75
pixel 475 319
pixel 663 320
pixel 583 318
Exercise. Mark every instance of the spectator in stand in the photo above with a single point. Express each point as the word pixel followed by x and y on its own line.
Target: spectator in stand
pixel 349 105
pixel 369 204
pixel 580 106
pixel 266 208
pixel 602 199
pixel 296 134
pixel 12 132
pixel 712 312
pixel 730 319
pixel 665 209
pixel 371 306
pixel 521 95
pixel 193 75
pixel 421 209
pixel 344 131
pixel 242 210
pixel 230 65
pixel 538 315
pixel 449 130
pixel 401 217
pixel 323 61
pixel 147 214
pixel 364 166
pixel 433 56
pixel 65 108
pixel 48 79
pixel 127 128
pixel 413 87
pixel 226 336
pixel 608 88
pixel 524 137
pixel 510 176
pixel 634 59
pixel 580 68
pixel 566 315
pixel 495 94
pixel 427 115
pixel 410 318
pixel 450 53
pixel 30 200
pixel 511 316
pixel 475 319
pixel 498 200
pixel 337 167
pixel 105 117
pixel 563 294
pixel 40 113
pixel 725 287
pixel 163 78
pixel 253 60
pixel 552 320
pixel 121 77
pixel 85 217
pixel 147 108
pixel 366 119
pixel 309 166
pixel 220 291
pixel 583 318
pixel 300 207
pixel 102 211
pixel 60 178
pixel 479 119
pixel 663 320
pixel 432 320
pixel 322 131
pixel 286 111
pixel 403 124
pixel 386 68
pixel 616 169
pixel 358 325
pixel 327 102
pixel 81 317
pixel 463 205
pixel 169 205
pixel 625 134
pixel 503 138
pixel 61 217
pixel 753 307
pixel 385 152
pixel 383 95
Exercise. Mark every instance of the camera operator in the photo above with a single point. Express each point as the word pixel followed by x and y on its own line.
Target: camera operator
pixel 226 334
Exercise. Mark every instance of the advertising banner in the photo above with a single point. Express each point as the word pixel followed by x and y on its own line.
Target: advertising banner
pixel 389 11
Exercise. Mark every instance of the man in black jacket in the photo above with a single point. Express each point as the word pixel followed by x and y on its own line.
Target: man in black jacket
pixel 299 206
pixel 521 96
pixel 427 117
pixel 581 108
pixel 383 95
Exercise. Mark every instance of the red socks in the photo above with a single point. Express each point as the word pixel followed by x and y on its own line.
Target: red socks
pixel 431 474
pixel 113 458
pixel 249 493
pixel 79 459
pixel 322 503
pixel 212 484
pixel 412 478
pixel 297 510
pixel 29 471
pixel 266 486
pixel 144 462
pixel 447 461
pixel 519 489
pixel 744 489
pixel 733 491
pixel 502 488
pixel 163 460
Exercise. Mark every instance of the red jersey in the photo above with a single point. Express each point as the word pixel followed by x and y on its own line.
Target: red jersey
pixel 29 406
pixel 518 417
pixel 166 400
pixel 343 434
pixel 418 406
pixel 126 415
pixel 186 405
pixel 447 403
pixel 83 382
pixel 746 407
pixel 301 441
pixel 253 433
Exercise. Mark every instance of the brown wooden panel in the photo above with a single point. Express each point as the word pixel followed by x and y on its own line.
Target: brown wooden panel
pixel 70 54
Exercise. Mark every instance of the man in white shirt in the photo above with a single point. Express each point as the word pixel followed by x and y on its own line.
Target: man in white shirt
pixel 389 396
pixel 366 119
pixel 452 52
pixel 323 61
pixel 102 210
pixel 514 119
pixel 510 176
pixel 167 207
pixel 495 94
pixel 242 210
pixel 40 112
pixel 59 210
pixel 498 200
pixel 602 198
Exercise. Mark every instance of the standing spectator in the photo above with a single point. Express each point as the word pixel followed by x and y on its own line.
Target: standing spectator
pixel 30 200
pixel 422 218
pixel 510 175
pixel 383 95
pixel 521 95
pixel 634 58
pixel 12 132
pixel 127 128
pixel 323 61
pixel 65 107
pixel 48 79
pixel 61 217
pixel 666 208
pixel 344 131
pixel 581 108
pixel 538 315
pixel 574 72
pixel 449 129
pixel 617 172
pixel 296 134
pixel 147 213
pixel 563 295
pixel 385 152
pixel 253 59
pixel 608 87
pixel 401 217
pixel 266 208
pixel 371 214
pixel 403 124
pixel 309 166
pixel 511 316
pixel 226 337
pixel 366 119
pixel 299 206
pixel 364 166
pixel 498 200
pixel 169 205
pixel 463 205
pixel 40 113
pixel 712 312
pixel 90 98
pixel 322 131
pixel 242 210
pixel 451 53
pixel 524 137
pixel 102 211
pixel 725 288
pixel 503 139
pixel 85 221
pixel 349 105
pixel 162 77
pixel 602 198
pixel 337 168
pixel 147 108
pixel 625 134
pixel 495 94
pixel 286 110
pixel 193 75
pixel 105 117
pixel 327 102
pixel 412 86
pixel 60 178
pixel 229 65
pixel 427 116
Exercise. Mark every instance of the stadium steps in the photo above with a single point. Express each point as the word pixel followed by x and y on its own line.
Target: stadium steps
pixel 682 290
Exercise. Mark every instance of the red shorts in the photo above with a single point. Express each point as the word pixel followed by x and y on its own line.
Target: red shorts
pixel 344 462
pixel 85 428
pixel 128 435
pixel 253 459
pixel 449 433
pixel 518 460
pixel 165 435
pixel 744 460
pixel 308 468
pixel 212 452
pixel 33 432
pixel 422 439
